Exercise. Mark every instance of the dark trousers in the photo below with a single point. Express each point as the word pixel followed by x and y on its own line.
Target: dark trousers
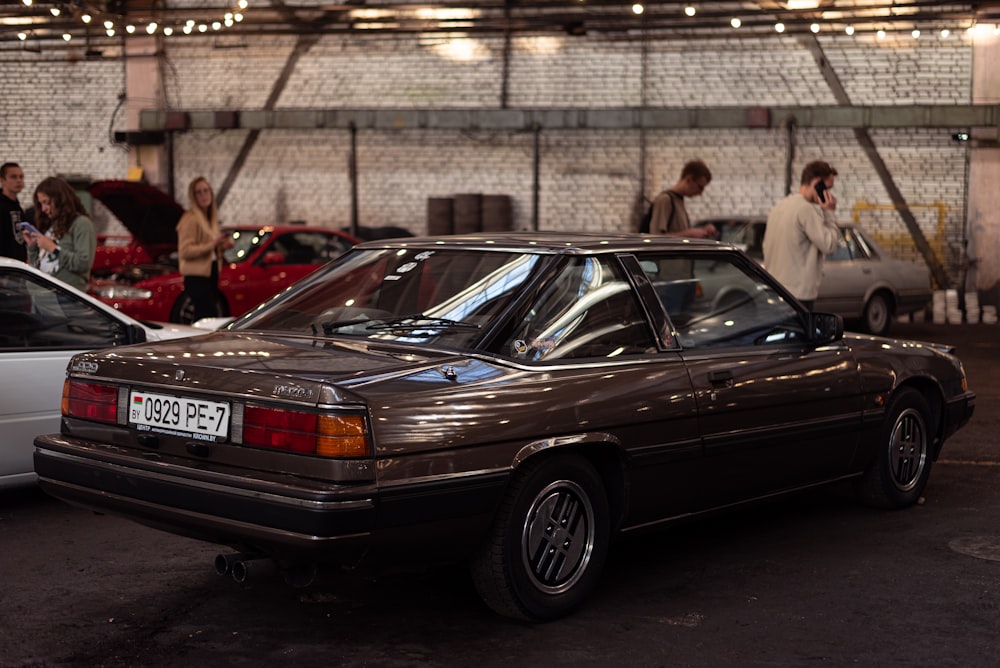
pixel 204 293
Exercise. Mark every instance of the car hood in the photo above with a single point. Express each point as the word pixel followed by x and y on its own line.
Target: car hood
pixel 267 365
pixel 150 214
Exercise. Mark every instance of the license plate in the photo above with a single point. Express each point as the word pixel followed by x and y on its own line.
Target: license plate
pixel 179 416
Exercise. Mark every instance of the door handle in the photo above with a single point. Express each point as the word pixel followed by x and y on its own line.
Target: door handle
pixel 723 378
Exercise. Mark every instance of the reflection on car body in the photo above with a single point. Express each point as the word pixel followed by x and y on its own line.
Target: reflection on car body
pixel 43 323
pixel 513 402
pixel 860 280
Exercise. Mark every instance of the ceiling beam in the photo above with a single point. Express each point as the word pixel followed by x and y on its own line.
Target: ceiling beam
pixel 945 116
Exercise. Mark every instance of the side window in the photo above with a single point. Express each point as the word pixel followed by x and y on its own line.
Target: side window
pixel 35 314
pixel 714 301
pixel 847 248
pixel 588 310
pixel 301 248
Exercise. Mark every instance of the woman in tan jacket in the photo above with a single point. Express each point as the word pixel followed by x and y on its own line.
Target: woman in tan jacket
pixel 200 244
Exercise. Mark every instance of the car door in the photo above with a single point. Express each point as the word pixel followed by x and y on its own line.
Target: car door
pixel 594 354
pixel 41 326
pixel 775 409
pixel 281 258
pixel 848 273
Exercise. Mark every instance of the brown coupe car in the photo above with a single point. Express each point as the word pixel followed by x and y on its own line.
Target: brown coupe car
pixel 513 402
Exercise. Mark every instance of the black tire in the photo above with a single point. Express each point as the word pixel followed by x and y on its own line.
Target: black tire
pixel 183 310
pixel 877 315
pixel 897 476
pixel 521 572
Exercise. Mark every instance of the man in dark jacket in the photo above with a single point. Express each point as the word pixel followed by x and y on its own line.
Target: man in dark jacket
pixel 11 213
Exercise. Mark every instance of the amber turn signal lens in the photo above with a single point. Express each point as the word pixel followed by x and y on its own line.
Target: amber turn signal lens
pixel 342 436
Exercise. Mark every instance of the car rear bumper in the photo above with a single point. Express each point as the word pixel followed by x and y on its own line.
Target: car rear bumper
pixel 912 301
pixel 276 515
pixel 280 519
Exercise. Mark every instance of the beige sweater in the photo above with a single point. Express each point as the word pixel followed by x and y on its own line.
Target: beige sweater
pixel 196 237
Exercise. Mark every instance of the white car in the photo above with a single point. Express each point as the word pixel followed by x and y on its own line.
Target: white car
pixel 44 322
pixel 861 282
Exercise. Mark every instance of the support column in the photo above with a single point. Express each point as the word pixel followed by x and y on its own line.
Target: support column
pixel 984 175
pixel 144 91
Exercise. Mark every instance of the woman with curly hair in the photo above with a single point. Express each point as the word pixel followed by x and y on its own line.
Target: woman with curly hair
pixel 63 241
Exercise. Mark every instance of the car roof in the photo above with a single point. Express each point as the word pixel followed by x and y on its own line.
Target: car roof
pixel 546 242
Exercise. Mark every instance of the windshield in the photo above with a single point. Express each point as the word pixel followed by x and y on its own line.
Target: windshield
pixel 444 297
pixel 245 242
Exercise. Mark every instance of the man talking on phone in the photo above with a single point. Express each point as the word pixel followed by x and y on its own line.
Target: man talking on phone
pixel 801 231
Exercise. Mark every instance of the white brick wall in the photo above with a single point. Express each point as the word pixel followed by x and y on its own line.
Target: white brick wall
pixel 59 114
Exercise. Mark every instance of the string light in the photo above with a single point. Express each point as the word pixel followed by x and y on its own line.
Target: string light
pixel 230 18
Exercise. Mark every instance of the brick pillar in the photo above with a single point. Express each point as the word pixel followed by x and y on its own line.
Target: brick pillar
pixel 144 91
pixel 984 172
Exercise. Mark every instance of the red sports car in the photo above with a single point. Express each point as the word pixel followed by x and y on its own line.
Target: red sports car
pixel 263 261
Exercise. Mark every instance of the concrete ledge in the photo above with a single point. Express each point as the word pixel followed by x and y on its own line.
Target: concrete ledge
pixel 886 116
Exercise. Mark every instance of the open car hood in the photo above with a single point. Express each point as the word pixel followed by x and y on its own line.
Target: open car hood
pixel 147 212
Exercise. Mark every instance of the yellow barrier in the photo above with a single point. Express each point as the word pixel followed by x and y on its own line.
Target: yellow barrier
pixel 900 244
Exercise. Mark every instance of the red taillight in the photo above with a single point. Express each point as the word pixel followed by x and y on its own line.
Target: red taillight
pixel 90 401
pixel 309 433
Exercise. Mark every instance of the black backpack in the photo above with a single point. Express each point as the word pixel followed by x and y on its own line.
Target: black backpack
pixel 647 218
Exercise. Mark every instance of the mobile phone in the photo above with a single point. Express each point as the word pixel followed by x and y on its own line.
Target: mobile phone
pixel 821 190
pixel 28 227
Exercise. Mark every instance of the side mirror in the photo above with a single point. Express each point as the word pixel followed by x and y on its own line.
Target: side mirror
pixel 136 334
pixel 827 327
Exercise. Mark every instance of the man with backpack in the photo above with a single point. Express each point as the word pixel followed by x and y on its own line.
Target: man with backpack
pixel 667 214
